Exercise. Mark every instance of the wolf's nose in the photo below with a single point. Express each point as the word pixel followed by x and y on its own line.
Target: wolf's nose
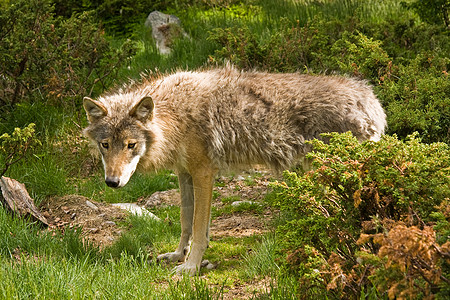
pixel 112 181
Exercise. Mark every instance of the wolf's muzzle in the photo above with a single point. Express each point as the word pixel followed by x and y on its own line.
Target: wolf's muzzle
pixel 112 181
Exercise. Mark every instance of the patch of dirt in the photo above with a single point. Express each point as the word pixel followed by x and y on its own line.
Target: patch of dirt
pixel 170 197
pixel 248 290
pixel 98 220
pixel 237 225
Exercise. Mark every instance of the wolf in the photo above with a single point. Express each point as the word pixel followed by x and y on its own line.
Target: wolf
pixel 200 122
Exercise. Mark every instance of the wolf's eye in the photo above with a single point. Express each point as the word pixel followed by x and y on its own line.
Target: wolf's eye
pixel 105 145
pixel 131 145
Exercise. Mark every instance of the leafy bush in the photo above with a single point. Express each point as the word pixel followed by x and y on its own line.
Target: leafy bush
pixel 14 147
pixel 44 57
pixel 292 48
pixel 433 11
pixel 239 46
pixel 417 98
pixel 359 55
pixel 347 218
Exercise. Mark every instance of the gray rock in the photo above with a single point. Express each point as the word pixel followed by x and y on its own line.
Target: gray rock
pixel 91 205
pixel 165 29
pixel 136 209
pixel 206 264
pixel 169 197
pixel 237 203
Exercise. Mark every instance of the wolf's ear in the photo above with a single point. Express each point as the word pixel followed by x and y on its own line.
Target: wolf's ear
pixel 95 110
pixel 143 111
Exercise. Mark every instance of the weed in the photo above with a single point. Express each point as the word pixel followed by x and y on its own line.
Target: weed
pixel 261 262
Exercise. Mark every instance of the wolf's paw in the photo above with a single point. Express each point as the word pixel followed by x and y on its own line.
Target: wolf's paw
pixel 187 268
pixel 171 256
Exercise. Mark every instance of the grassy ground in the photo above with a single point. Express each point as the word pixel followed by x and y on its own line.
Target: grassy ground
pixel 50 264
pixel 36 263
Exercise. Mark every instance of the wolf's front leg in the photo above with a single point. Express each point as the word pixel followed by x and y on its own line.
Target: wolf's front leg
pixel 203 184
pixel 186 218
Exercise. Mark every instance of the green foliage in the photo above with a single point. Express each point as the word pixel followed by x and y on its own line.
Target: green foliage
pixel 72 278
pixel 364 188
pixel 21 237
pixel 45 57
pixel 359 55
pixel 239 46
pixel 432 11
pixel 417 98
pixel 341 224
pixel 14 147
pixel 292 48
pixel 141 185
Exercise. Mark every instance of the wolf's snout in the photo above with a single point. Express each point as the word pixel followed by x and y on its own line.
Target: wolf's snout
pixel 112 181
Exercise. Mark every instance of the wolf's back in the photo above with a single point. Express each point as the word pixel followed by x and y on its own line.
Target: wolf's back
pixel 266 118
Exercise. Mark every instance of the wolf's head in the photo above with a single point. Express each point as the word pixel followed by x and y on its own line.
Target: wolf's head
pixel 120 135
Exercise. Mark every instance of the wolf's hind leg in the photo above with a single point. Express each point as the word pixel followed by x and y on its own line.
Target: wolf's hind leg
pixel 186 217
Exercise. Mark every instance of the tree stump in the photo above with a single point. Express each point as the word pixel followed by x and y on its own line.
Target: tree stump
pixel 15 197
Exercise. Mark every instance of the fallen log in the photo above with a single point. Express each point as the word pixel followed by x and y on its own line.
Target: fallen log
pixel 15 197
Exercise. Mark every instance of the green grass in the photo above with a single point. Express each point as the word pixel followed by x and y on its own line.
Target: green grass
pixel 140 185
pixel 262 260
pixel 23 237
pixel 61 266
pixel 53 278
pixel 146 234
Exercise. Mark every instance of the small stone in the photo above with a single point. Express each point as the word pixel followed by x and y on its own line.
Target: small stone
pixel 136 210
pixel 204 263
pixel 237 203
pixel 91 205
pixel 111 223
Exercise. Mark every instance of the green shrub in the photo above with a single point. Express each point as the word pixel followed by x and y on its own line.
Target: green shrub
pixel 239 46
pixel 367 192
pixel 360 55
pixel 432 11
pixel 418 98
pixel 296 47
pixel 48 58
pixel 14 147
